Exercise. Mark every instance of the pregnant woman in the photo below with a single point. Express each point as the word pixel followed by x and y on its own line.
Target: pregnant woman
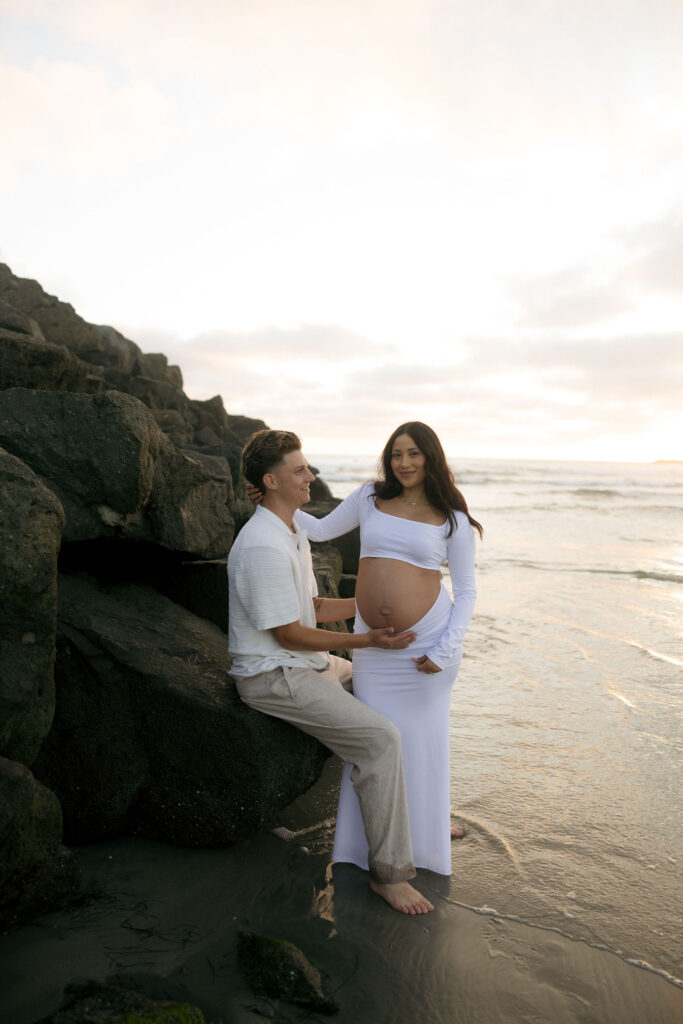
pixel 411 521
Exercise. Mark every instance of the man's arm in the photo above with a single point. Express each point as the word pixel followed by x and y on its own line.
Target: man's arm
pixel 334 609
pixel 295 637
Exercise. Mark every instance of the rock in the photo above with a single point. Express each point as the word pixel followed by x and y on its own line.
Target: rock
pixel 117 351
pixel 278 969
pixel 155 365
pixel 241 507
pixel 150 736
pixel 31 523
pixel 201 587
pixel 58 321
pixel 211 415
pixel 347 585
pixel 36 871
pixel 28 361
pixel 319 489
pixel 327 563
pixel 154 393
pixel 14 320
pixel 173 423
pixel 217 467
pixel 244 426
pixel 115 472
pixel 94 1003
pixel 348 544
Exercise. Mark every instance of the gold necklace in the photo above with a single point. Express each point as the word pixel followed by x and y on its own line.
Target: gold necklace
pixel 414 503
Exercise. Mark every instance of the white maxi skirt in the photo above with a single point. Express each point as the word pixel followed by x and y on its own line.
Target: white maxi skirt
pixel 418 704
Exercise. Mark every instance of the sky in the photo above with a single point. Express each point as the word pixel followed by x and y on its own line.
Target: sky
pixel 346 214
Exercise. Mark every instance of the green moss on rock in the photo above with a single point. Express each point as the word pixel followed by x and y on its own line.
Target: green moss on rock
pixel 108 1004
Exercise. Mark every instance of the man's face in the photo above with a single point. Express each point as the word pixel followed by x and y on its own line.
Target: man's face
pixel 293 478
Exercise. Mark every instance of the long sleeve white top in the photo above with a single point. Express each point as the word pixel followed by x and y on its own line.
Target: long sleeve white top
pixel 422 544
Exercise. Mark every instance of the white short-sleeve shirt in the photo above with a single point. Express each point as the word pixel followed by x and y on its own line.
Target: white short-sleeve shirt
pixel 271 582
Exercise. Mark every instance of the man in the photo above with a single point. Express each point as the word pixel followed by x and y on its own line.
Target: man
pixel 282 666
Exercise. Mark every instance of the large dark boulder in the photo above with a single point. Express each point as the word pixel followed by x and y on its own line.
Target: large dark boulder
pixel 150 736
pixel 36 871
pixel 115 472
pixel 31 523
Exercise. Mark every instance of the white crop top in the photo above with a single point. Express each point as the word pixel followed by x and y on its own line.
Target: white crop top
pixel 386 536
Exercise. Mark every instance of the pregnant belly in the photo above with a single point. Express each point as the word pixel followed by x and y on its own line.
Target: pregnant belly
pixel 393 593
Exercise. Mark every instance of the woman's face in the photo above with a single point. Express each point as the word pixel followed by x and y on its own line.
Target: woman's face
pixel 407 462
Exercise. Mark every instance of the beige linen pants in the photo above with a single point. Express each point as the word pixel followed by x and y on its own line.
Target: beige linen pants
pixel 321 704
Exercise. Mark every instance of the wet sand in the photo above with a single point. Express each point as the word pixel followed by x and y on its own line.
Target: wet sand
pixel 165 921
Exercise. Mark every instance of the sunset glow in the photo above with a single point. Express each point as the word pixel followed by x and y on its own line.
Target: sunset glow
pixel 343 215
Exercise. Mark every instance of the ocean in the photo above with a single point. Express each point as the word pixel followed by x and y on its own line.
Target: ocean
pixel 566 715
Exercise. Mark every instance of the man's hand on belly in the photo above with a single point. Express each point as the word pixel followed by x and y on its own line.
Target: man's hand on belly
pixel 387 640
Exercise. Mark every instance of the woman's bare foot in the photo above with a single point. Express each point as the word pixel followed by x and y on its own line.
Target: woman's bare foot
pixel 457 832
pixel 402 897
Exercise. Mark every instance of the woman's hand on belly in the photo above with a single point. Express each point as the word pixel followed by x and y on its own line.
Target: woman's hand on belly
pixel 425 664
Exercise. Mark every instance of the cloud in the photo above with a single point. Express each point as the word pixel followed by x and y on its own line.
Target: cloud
pixel 418 173
pixel 569 298
pixel 316 342
pixel 337 387
pixel 656 255
pixel 78 120
pixel 631 264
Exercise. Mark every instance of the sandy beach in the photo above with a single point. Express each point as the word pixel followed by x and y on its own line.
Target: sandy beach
pixel 165 921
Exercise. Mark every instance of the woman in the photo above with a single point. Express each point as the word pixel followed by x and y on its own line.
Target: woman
pixel 410 521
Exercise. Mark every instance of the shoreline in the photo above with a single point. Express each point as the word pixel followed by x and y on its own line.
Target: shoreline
pixel 165 920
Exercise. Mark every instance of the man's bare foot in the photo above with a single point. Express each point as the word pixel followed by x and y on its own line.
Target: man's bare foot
pixel 457 832
pixel 402 897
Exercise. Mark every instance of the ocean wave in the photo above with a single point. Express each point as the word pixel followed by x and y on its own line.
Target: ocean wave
pixel 657 655
pixel 596 492
pixel 485 911
pixel 663 577
pixel 638 574
pixel 515 509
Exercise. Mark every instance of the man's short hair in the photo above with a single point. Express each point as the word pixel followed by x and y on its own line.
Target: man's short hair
pixel 264 450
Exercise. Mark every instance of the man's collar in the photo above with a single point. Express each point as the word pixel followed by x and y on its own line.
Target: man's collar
pixel 274 519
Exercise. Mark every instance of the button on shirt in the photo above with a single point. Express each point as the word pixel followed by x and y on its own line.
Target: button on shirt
pixel 271 581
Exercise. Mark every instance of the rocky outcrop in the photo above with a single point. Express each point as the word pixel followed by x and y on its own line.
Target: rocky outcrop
pixel 150 736
pixel 45 344
pixel 35 869
pixel 115 473
pixel 102 450
pixel 31 523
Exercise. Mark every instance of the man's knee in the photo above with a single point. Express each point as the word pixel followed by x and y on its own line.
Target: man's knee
pixel 388 737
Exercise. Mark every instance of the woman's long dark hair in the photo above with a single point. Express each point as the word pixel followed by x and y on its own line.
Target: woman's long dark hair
pixel 440 489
